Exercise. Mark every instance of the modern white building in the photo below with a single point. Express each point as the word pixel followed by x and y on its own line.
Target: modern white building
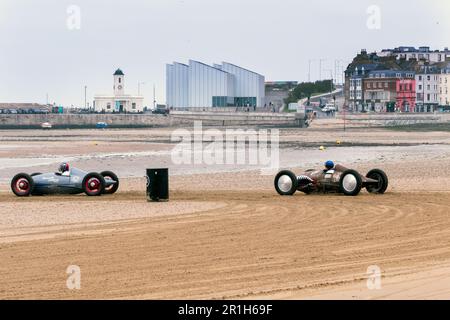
pixel 198 85
pixel 427 90
pixel 118 102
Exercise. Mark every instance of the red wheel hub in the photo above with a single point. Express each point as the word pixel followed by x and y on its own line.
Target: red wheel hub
pixel 93 184
pixel 22 185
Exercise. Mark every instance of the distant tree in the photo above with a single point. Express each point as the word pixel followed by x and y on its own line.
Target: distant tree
pixel 307 89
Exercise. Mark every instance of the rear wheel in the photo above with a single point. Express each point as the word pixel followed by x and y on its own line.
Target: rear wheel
pixel 111 175
pixel 350 183
pixel 93 184
pixel 285 183
pixel 381 177
pixel 22 185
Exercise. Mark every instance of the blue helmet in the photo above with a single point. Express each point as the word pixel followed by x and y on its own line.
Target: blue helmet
pixel 329 164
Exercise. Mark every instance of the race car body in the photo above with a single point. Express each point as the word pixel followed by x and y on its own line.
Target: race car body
pixel 74 181
pixel 338 179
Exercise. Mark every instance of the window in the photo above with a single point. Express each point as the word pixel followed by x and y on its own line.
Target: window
pixel 108 105
pixel 420 78
pixel 386 85
pixel 133 105
pixel 420 87
pixel 120 80
pixel 428 78
pixel 380 85
pixel 368 85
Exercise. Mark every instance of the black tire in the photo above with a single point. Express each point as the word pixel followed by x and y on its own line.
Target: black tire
pixel 112 189
pixel 93 184
pixel 35 174
pixel 22 185
pixel 356 188
pixel 290 190
pixel 382 179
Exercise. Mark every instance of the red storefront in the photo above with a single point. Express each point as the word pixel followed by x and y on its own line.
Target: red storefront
pixel 406 95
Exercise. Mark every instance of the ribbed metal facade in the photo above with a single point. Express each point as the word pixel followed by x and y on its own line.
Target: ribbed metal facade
pixel 248 85
pixel 200 85
pixel 177 79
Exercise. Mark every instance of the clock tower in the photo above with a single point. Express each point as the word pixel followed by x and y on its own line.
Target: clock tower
pixel 119 83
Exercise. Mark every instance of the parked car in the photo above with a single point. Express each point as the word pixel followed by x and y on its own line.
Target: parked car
pixel 46 125
pixel 161 111
pixel 101 125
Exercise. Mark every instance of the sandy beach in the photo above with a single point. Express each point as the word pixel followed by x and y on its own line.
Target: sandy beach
pixel 226 233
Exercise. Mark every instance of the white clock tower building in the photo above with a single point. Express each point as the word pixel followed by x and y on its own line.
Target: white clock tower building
pixel 119 102
pixel 119 83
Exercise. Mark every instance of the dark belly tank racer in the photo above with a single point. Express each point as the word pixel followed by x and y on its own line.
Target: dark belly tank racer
pixel 66 181
pixel 332 179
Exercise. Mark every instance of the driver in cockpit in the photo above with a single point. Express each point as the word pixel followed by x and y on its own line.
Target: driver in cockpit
pixel 64 169
pixel 329 165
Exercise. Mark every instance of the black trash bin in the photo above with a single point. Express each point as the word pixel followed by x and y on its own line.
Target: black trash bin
pixel 158 184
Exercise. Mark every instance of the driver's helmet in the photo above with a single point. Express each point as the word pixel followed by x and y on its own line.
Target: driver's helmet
pixel 64 167
pixel 329 164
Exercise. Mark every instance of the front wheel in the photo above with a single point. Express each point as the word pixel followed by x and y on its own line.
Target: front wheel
pixel 22 185
pixel 350 183
pixel 93 184
pixel 108 175
pixel 286 183
pixel 381 177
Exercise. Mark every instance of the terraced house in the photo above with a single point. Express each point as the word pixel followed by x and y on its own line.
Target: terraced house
pixel 427 80
pixel 444 88
pixel 389 91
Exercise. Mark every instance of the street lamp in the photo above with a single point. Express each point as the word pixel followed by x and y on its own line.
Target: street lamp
pixel 340 66
pixel 320 68
pixel 154 96
pixel 139 87
pixel 309 69
pixel 331 79
pixel 85 90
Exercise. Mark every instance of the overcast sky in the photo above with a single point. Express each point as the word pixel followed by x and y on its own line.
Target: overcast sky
pixel 40 53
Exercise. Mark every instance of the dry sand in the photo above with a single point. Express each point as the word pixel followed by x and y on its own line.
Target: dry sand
pixel 229 235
